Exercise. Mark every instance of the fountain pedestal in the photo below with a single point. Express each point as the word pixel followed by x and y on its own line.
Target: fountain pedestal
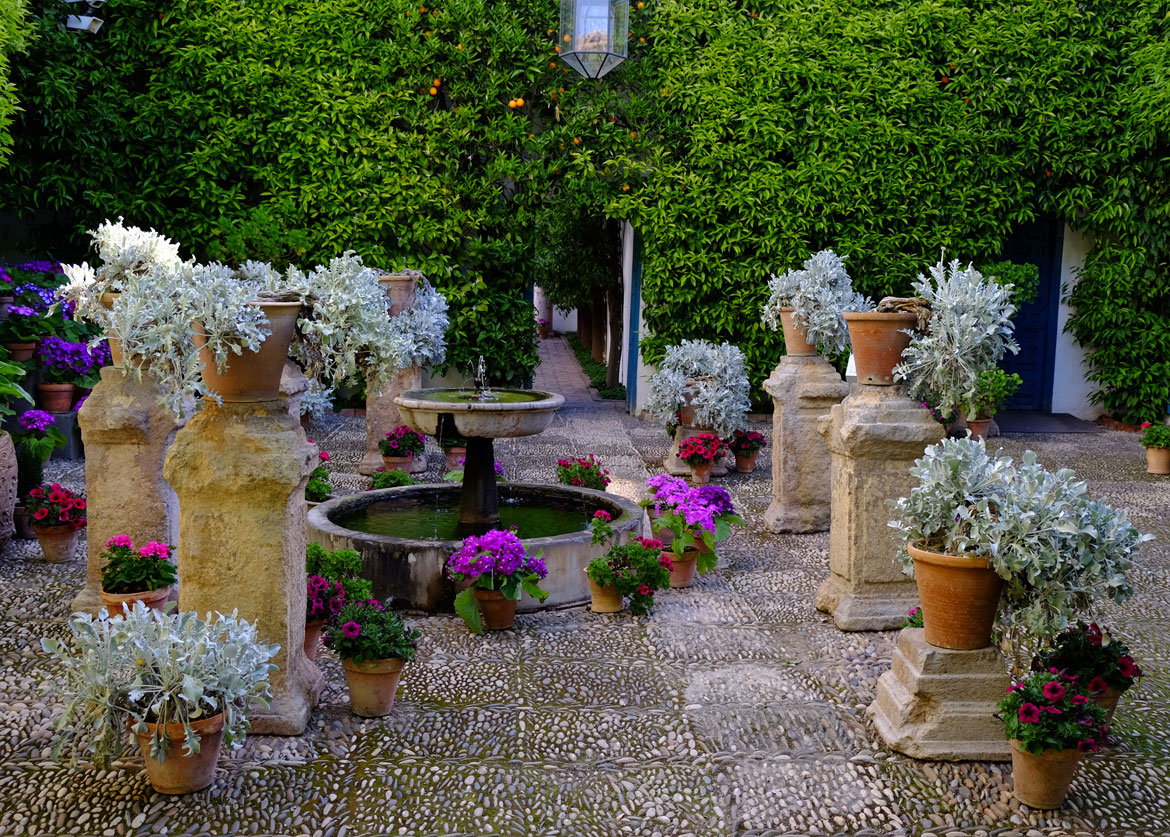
pixel 126 434
pixel 479 504
pixel 239 471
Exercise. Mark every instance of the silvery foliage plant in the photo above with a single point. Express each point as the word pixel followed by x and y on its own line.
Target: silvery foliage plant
pixel 144 666
pixel 820 293
pixel 1057 550
pixel 317 400
pixel 715 376
pixel 425 325
pixel 970 330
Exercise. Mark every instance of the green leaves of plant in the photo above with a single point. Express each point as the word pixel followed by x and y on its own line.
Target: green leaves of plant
pixel 468 609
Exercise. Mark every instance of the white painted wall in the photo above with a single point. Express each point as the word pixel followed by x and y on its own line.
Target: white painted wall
pixel 1070 385
pixel 627 297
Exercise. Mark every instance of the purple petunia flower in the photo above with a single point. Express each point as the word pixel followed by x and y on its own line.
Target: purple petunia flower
pixel 351 630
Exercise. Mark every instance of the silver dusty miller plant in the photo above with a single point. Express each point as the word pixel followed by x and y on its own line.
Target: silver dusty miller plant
pixel 148 667
pixel 425 325
pixel 715 378
pixel 820 293
pixel 1057 550
pixel 970 330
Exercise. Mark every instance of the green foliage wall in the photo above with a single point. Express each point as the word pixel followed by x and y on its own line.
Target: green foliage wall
pixel 13 32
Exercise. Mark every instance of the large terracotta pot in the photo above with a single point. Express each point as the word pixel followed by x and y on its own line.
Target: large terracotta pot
pixel 178 773
pixel 682 573
pixel 701 472
pixel 878 343
pixel 1042 781
pixel 402 288
pixel 398 463
pixel 153 599
pixel 8 473
pixel 20 351
pixel 745 463
pixel 959 597
pixel 313 637
pixel 55 398
pixel 1107 700
pixel 795 338
pixel 978 428
pixel 254 376
pixel 452 457
pixel 1157 460
pixel 58 543
pixel 497 612
pixel 606 599
pixel 372 685
pixel 114 344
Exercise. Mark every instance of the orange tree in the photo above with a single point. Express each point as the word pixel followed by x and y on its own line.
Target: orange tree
pixel 12 37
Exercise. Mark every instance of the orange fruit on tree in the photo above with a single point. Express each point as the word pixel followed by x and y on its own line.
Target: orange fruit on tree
pixel 459 46
pixel 519 103
pixel 434 91
pixel 641 40
pixel 576 140
pixel 625 187
pixel 641 5
pixel 436 82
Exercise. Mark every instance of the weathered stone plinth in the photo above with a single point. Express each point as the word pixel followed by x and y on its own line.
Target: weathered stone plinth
pixel 874 437
pixel 940 704
pixel 7 487
pixel 126 434
pixel 240 472
pixel 675 466
pixel 803 389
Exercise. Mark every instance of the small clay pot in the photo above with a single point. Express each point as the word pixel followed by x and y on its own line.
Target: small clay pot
pixel 372 685
pixel 544 331
pixel 402 288
pixel 398 463
pixel 745 463
pixel 20 351
pixel 178 773
pixel 253 376
pixel 153 599
pixel 701 473
pixel 496 612
pixel 682 573
pixel 1042 781
pixel 313 629
pixel 978 428
pixel 58 543
pixel 1107 700
pixel 878 342
pixel 795 338
pixel 55 398
pixel 1157 460
pixel 606 599
pixel 959 596
pixel 453 455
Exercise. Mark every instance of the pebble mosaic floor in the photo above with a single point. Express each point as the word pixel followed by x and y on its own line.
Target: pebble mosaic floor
pixel 733 708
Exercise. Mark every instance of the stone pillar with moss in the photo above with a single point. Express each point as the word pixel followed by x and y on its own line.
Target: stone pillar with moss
pixel 873 436
pixel 240 471
pixel 381 412
pixel 803 388
pixel 126 433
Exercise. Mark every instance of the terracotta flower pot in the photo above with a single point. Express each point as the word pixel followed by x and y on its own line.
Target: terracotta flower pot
pixel 254 376
pixel 497 612
pixel 313 629
pixel 58 543
pixel 1157 460
pixel 178 773
pixel 398 463
pixel 114 344
pixel 153 599
pixel 453 455
pixel 795 338
pixel 959 596
pixel 682 573
pixel 22 523
pixel 701 473
pixel 745 463
pixel 402 288
pixel 978 428
pixel 20 351
pixel 1042 781
pixel 55 398
pixel 372 685
pixel 606 599
pixel 544 331
pixel 878 343
pixel 1107 700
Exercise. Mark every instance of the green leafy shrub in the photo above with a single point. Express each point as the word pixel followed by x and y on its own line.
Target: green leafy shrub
pixel 370 631
pixel 992 390
pixel 344 565
pixel 390 478
pixel 13 32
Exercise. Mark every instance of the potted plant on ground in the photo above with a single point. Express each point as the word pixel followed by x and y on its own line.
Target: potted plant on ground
pixel 635 569
pixel 58 516
pixel 144 575
pixel 700 452
pixel 977 523
pixel 583 472
pixel 500 571
pixel 454 449
pixel 390 478
pixel 544 328
pixel 1095 658
pixel 400 446
pixel 746 445
pixel 1050 720
pixel 1156 441
pixel 993 388
pixel 319 488
pixel 695 519
pixel 374 645
pixel 705 381
pixel 20 331
pixel 64 367
pixel 810 304
pixel 36 439
pixel 181 685
pixel 334 579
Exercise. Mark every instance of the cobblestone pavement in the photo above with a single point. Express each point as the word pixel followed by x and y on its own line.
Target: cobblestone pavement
pixel 732 708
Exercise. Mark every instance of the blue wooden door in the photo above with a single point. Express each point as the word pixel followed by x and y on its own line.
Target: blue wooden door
pixel 1039 243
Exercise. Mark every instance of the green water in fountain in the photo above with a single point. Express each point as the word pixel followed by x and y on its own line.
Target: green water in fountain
pixel 499 396
pixel 439 521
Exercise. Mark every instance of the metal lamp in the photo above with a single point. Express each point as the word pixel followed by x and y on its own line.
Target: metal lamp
pixel 594 35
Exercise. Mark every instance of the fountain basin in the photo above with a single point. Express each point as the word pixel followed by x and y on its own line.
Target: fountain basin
pixel 518 412
pixel 410 569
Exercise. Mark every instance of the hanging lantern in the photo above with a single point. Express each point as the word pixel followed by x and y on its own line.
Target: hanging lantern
pixel 594 34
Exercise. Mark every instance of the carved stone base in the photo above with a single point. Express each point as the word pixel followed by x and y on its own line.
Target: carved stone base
pixel 940 704
pixel 382 415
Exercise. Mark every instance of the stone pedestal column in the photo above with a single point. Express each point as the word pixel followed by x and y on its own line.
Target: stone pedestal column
pixel 874 437
pixel 7 487
pixel 126 434
pixel 940 704
pixel 675 466
pixel 803 388
pixel 240 472
pixel 382 414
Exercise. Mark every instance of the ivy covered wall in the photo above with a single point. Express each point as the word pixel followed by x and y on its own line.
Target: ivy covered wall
pixel 13 34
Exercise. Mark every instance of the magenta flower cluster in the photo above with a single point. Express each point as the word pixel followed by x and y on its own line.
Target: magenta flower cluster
pixel 36 421
pixel 154 549
pixel 698 506
pixel 325 598
pixel 499 552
